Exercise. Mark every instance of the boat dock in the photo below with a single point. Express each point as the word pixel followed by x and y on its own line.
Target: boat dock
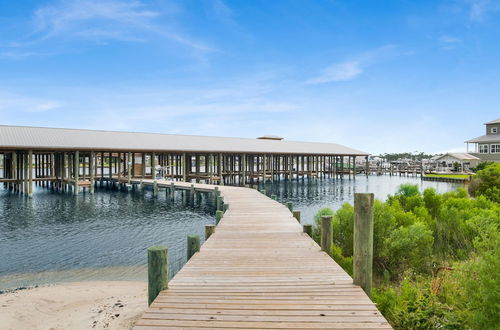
pixel 259 270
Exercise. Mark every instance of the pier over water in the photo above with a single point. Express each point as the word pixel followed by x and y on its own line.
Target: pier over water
pixel 259 270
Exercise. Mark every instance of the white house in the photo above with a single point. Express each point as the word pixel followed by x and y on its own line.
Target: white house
pixel 465 161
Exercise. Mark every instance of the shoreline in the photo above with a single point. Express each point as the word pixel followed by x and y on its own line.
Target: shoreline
pixel 75 305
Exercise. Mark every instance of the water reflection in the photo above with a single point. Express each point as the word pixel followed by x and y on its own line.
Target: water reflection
pixel 55 237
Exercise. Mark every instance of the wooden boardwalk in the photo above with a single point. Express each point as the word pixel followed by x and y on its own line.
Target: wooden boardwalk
pixel 259 271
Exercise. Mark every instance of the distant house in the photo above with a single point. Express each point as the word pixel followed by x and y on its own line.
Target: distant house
pixel 446 162
pixel 487 147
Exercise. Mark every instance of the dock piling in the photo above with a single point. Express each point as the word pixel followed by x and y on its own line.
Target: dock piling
pixel 363 241
pixel 157 271
pixel 193 245
pixel 218 216
pixel 326 233
pixel 209 230
pixel 307 229
pixel 296 215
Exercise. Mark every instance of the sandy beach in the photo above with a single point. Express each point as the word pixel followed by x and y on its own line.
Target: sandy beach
pixel 81 305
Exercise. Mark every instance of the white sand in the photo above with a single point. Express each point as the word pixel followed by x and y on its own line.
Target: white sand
pixel 82 305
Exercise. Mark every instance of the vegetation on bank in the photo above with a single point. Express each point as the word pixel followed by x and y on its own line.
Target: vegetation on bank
pixel 456 176
pixel 405 155
pixel 436 256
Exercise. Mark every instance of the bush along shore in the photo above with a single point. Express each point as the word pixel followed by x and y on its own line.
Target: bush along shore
pixel 436 258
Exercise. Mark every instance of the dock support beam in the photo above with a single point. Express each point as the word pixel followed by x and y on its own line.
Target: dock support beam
pixel 157 271
pixel 363 241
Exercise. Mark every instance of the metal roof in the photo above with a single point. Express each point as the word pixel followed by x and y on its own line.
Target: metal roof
pixel 459 156
pixel 496 121
pixel 44 138
pixel 485 138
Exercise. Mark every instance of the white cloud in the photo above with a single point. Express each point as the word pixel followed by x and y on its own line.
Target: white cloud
pixel 338 72
pixel 107 20
pixel 449 42
pixel 352 69
pixel 16 104
pixel 449 39
pixel 479 9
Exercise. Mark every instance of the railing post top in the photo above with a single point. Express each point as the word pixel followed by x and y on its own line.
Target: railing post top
pixel 157 248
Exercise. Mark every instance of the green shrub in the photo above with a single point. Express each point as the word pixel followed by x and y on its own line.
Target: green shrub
pixel 412 305
pixel 415 232
pixel 408 248
pixel 344 262
pixel 487 183
pixel 342 229
pixel 432 201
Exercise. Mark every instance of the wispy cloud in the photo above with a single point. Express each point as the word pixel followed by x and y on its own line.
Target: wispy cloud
pixel 220 10
pixel 16 104
pixel 352 69
pixel 479 9
pixel 106 20
pixel 449 42
pixel 338 72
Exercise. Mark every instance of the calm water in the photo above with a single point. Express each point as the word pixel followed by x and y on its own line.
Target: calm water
pixel 55 237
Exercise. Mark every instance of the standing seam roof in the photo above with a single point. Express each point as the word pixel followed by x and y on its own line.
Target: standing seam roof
pixel 27 137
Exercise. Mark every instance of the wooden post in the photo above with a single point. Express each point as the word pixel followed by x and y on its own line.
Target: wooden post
pixel 193 245
pixel 308 230
pixel 209 230
pixel 219 170
pixel 220 203
pixel 30 173
pixel 129 167
pixel 184 167
pixel 92 171
pixel 367 166
pixel 76 171
pixel 225 207
pixel 157 271
pixel 326 233
pixel 13 170
pixel 218 216
pixel 363 241
pixel 296 215
pixel 155 188
pixel 153 166
pixel 290 206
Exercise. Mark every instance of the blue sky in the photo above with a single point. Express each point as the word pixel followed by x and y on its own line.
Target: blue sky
pixel 380 76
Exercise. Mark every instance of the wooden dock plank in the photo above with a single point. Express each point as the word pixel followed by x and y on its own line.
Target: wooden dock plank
pixel 259 271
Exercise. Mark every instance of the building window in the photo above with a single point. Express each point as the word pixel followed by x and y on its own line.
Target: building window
pixel 494 130
pixel 495 149
pixel 483 148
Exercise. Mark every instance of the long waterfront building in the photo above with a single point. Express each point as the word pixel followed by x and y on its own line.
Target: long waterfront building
pixel 71 159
